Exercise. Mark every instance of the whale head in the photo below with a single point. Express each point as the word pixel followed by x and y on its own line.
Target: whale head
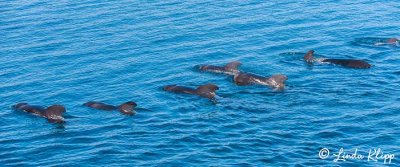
pixel 18 106
pixel 277 81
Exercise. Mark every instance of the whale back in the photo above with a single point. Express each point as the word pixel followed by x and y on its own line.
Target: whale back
pixel 243 78
pixel 207 88
pixel 100 106
pixel 229 69
pixel 178 89
pixel 349 63
pixel 33 109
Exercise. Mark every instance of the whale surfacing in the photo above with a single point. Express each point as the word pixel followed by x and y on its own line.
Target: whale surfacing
pixel 53 113
pixel 276 81
pixel 393 41
pixel 390 41
pixel 126 108
pixel 206 91
pixel 377 41
pixel 348 63
pixel 351 63
pixel 229 69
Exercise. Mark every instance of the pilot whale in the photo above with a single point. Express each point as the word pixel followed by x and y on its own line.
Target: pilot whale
pixel 206 91
pixel 373 41
pixel 125 108
pixel 309 58
pixel 393 41
pixel 229 69
pixel 390 41
pixel 53 113
pixel 276 81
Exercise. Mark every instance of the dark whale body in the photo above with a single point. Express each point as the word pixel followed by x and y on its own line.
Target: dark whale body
pixel 277 81
pixel 207 91
pixel 348 63
pixel 125 108
pixel 53 113
pixel 351 63
pixel 229 69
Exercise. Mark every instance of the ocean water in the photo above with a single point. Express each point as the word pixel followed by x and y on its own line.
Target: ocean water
pixel 71 52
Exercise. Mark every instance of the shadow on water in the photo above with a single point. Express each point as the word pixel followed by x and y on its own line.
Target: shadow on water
pixel 59 128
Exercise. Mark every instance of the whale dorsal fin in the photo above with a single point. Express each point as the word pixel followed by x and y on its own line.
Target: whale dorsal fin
pixel 309 56
pixel 207 88
pixel 279 78
pixel 127 107
pixel 233 65
pixel 54 113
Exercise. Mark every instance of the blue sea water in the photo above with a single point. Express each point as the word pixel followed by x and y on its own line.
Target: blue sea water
pixel 71 52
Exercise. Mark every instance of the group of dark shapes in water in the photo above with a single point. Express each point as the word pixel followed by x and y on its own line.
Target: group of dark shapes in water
pixel 275 81
pixel 54 113
pixel 240 78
